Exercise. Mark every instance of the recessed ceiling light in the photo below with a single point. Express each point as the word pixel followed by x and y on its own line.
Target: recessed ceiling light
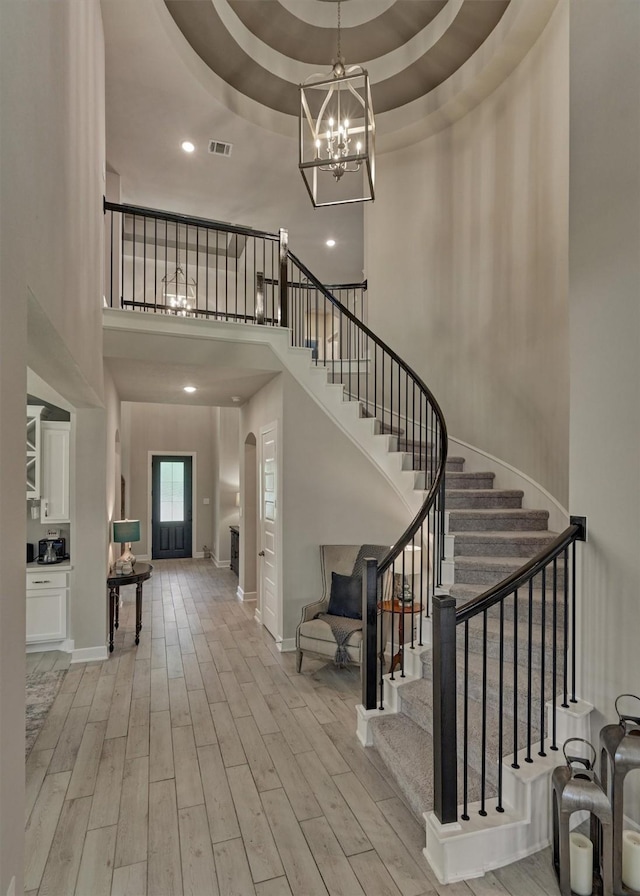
pixel 235 399
pixel 189 388
pixel 187 145
pixel 331 243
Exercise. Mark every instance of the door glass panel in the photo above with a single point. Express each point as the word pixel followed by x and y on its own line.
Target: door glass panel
pixel 171 491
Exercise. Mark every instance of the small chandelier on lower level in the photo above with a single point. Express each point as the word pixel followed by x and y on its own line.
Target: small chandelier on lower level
pixel 337 135
pixel 178 291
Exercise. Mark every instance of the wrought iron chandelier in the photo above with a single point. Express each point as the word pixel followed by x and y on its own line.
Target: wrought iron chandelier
pixel 337 134
pixel 178 292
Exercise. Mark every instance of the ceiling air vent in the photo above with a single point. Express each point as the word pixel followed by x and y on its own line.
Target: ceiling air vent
pixel 218 148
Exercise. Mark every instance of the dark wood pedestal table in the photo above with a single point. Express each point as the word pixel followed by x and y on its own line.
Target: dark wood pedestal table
pixel 141 572
pixel 399 609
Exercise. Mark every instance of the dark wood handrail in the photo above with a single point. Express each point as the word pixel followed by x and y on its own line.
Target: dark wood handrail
pixel 520 577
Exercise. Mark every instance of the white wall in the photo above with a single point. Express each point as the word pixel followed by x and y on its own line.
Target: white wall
pixel 605 344
pixel 178 429
pixel 226 479
pixel 466 259
pixel 52 156
pixel 331 493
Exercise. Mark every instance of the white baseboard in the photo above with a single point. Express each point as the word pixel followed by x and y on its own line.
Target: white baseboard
pixel 65 646
pixel 89 654
pixel 286 645
pixel 221 564
pixel 246 596
pixel 198 555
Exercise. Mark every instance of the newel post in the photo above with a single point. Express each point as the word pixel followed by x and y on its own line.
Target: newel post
pixel 445 773
pixel 368 667
pixel 284 286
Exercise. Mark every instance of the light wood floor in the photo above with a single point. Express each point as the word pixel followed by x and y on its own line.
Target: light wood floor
pixel 201 763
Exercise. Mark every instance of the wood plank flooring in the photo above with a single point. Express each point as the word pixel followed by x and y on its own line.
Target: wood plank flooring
pixel 201 763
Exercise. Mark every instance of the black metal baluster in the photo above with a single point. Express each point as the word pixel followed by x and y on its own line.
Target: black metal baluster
pixel 499 807
pixel 206 275
pixel 144 262
pixel 483 762
pixel 155 265
pixel 528 757
pixel 573 623
pixel 465 728
pixel 554 676
pixel 565 646
pixel 543 646
pixel 133 265
pixel 515 763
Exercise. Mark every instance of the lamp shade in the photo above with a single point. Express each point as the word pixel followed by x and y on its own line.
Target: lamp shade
pixel 126 530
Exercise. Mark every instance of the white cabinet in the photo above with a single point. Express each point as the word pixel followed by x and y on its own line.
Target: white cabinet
pixel 46 606
pixel 33 452
pixel 55 440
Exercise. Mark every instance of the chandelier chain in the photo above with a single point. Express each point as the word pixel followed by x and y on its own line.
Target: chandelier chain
pixel 339 44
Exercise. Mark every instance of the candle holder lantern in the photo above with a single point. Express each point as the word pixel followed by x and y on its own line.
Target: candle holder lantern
pixel 620 752
pixel 575 788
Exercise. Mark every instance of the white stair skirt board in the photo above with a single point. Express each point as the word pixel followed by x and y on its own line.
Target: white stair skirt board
pixel 468 849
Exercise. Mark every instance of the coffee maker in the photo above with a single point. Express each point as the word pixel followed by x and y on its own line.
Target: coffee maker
pixel 51 550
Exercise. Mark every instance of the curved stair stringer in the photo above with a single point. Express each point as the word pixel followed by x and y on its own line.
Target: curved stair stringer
pixel 468 849
pixel 345 413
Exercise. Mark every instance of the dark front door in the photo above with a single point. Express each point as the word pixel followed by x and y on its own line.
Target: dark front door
pixel 171 507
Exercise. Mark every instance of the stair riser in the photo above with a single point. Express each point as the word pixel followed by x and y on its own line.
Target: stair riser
pixel 522 654
pixel 461 520
pixel 475 690
pixel 421 473
pixel 469 480
pixel 523 611
pixel 485 500
pixel 489 575
pixel 521 547
pixel 422 716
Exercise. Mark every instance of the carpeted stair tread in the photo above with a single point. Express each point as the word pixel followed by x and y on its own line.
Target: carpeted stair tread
pixel 493 639
pixel 416 705
pixel 470 498
pixel 466 519
pixel 490 571
pixel 464 593
pixel 475 689
pixel 524 543
pixel 407 751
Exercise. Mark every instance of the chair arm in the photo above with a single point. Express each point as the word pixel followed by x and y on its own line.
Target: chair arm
pixel 309 611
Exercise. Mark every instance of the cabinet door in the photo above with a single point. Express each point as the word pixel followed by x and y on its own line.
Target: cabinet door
pixel 33 452
pixel 46 615
pixel 54 503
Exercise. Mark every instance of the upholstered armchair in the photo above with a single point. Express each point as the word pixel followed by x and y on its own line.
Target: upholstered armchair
pixel 314 635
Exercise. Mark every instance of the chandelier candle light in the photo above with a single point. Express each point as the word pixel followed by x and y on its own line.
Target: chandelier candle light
pixel 337 131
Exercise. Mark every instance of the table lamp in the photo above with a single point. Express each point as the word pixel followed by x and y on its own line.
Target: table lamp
pixel 126 531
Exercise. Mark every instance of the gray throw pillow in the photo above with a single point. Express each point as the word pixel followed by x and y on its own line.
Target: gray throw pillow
pixel 346 596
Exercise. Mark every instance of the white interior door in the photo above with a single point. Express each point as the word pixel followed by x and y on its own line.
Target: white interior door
pixel 269 547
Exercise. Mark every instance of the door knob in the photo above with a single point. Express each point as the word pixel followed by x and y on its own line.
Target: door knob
pixel 261 554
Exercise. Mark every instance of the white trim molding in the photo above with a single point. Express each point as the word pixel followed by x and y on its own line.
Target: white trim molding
pixel 90 654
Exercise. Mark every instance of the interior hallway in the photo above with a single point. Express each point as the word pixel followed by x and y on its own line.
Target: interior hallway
pixel 201 763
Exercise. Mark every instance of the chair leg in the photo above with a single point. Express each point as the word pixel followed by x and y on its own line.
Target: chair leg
pixel 298 660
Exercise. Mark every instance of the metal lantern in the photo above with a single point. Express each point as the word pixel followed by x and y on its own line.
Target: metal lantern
pixel 179 294
pixel 337 136
pixel 575 787
pixel 620 751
